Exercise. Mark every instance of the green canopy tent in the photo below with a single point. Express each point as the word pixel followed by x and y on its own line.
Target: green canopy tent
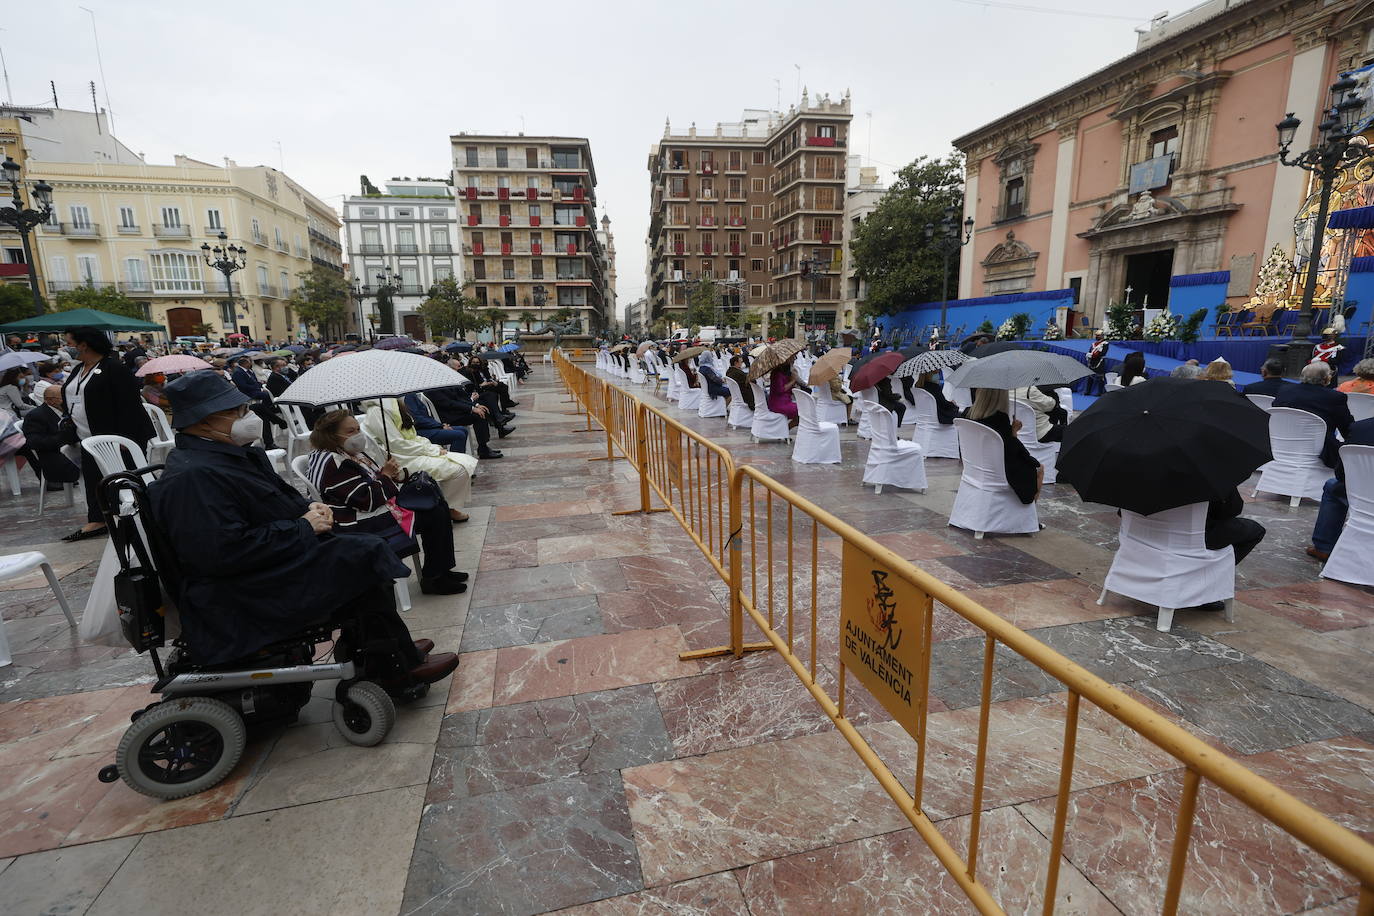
pixel 79 318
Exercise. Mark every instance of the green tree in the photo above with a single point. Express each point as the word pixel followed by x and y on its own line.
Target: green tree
pixel 102 299
pixel 16 302
pixel 781 326
pixel 202 329
pixel 449 311
pixel 321 299
pixel 751 318
pixel 891 253
pixel 702 304
pixel 527 319
pixel 563 314
pixel 495 317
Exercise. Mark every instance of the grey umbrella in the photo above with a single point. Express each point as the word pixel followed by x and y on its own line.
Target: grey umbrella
pixel 930 361
pixel 1018 369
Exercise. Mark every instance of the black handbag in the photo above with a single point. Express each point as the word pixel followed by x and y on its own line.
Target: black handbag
pixel 419 493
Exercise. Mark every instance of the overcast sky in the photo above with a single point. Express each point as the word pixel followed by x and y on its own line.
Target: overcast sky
pixel 350 88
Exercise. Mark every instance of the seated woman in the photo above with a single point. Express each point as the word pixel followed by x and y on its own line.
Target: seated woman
pixel 1132 369
pixel 432 428
pixel 689 370
pixel 781 381
pixel 945 409
pixel 1363 382
pixel 991 407
pixel 715 385
pixel 359 493
pixel 391 432
pixel 889 399
pixel 153 391
pixel 1218 370
pixel 1050 418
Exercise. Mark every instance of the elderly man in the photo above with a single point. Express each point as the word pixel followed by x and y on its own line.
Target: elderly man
pixel 258 563
pixel 246 381
pixel 43 435
pixel 1271 380
pixel 1315 397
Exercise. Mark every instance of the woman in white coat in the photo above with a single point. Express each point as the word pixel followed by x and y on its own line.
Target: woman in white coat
pixel 398 437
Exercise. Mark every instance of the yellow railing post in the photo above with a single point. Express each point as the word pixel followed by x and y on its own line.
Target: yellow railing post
pixel 736 582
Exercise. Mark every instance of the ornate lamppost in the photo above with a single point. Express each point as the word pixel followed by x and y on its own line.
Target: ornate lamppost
pixel 1338 144
pixel 388 283
pixel 812 268
pixel 23 219
pixel 227 259
pixel 359 291
pixel 947 239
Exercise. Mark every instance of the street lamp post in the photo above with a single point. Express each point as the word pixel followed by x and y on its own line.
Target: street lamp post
pixel 734 288
pixel 388 282
pixel 359 292
pixel 23 219
pixel 950 240
pixel 1338 145
pixel 812 268
pixel 227 259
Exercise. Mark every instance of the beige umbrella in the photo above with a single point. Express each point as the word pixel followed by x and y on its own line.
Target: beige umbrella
pixel 620 347
pixel 829 366
pixel 758 351
pixel 689 353
pixel 644 348
pixel 773 356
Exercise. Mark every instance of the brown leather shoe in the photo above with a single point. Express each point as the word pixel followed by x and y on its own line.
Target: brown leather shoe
pixel 424 646
pixel 435 668
pixel 1316 554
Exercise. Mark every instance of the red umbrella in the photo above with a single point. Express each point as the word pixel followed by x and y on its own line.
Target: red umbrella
pixel 875 370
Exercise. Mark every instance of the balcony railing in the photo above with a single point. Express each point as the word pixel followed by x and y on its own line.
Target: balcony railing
pixel 135 286
pixel 267 290
pixel 60 286
pixel 127 230
pixel 371 249
pixel 302 251
pixel 260 240
pixel 171 232
pixel 283 247
pixel 407 249
pixel 410 289
pixel 518 162
pixel 87 231
pixel 213 231
pixel 440 248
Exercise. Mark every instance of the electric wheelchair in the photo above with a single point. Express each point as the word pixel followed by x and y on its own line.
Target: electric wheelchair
pixel 190 739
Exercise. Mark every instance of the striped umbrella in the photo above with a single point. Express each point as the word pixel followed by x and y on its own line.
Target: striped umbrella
pixel 775 355
pixel 929 361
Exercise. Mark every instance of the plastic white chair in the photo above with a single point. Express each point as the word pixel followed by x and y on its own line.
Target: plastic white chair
pixel 12 474
pixel 297 430
pixel 109 453
pixel 67 488
pixel 767 424
pixel 985 501
pixel 892 461
pixel 164 438
pixel 816 442
pixel 1361 405
pixel 1110 386
pixel 1163 560
pixel 1261 400
pixel 688 398
pixel 1349 560
pixel 300 466
pixel 19 564
pixel 1047 453
pixel 829 410
pixel 1296 438
pixel 739 415
pixel 935 438
pixel 863 400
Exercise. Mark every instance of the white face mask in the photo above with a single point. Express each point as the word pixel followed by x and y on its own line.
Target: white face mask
pixel 246 430
pixel 355 444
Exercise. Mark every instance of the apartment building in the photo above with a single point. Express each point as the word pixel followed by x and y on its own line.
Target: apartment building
pixel 861 198
pixel 529 227
pixel 408 228
pixel 745 206
pixel 141 227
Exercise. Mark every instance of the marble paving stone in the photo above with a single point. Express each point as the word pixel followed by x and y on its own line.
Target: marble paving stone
pixel 1033 605
pixel 20 683
pixel 314 763
pixel 1254 707
pixel 566 667
pixel 563 580
pixel 699 815
pixel 1120 835
pixel 511 513
pixel 43 800
pixel 700 616
pixel 524 851
pixel 491 750
pixel 897 873
pixel 61 880
pixel 37 729
pixel 515 555
pixel 473 684
pixel 1319 604
pixel 507 533
pixel 1002 565
pixel 1078 558
pixel 580 547
pixel 686 568
pixel 530 622
pixel 260 865
pixel 1361 638
pixel 712 895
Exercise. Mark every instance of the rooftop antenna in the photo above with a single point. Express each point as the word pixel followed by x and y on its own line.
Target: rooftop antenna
pixel 95 107
pixel 100 65
pixel 778 84
pixel 281 160
pixel 798 66
pixel 53 86
pixel 868 153
pixel 9 96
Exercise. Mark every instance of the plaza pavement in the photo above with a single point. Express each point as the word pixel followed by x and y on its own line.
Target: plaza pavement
pixel 575 762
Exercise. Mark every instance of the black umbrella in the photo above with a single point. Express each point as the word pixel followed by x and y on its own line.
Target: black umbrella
pixel 913 350
pixel 1164 444
pixel 997 346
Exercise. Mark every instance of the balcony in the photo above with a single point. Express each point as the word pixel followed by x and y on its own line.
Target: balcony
pixel 283 247
pixel 171 232
pixel 409 248
pixel 302 251
pixel 474 219
pixel 365 249
pixel 410 289
pixel 62 286
pixel 134 286
pixel 127 230
pixel 707 168
pixel 267 291
pixel 821 141
pixel 213 231
pixel 87 231
pixel 707 222
pixel 440 248
pixel 260 240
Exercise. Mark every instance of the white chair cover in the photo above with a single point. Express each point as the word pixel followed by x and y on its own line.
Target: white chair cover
pixel 1296 438
pixel 688 398
pixel 829 410
pixel 675 381
pixel 1065 396
pixel 985 502
pixel 863 400
pixel 960 397
pixel 710 407
pixel 637 374
pixel 817 442
pixel 1261 400
pixel 1110 386
pixel 1349 560
pixel 1163 560
pixel 1047 453
pixel 164 439
pixel 1361 405
pixel 767 424
pixel 935 438
pixel 892 461
pixel 909 415
pixel 739 415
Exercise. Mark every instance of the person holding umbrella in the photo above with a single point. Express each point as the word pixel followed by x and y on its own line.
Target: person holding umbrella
pixel 737 372
pixel 775 361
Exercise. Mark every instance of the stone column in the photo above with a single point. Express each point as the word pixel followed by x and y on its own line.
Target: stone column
pixel 1306 93
pixel 1059 214
pixel 967 261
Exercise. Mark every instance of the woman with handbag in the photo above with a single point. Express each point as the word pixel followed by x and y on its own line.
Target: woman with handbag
pixel 362 497
pixel 392 434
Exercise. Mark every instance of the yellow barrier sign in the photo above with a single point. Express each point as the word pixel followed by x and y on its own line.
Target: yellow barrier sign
pixel 881 621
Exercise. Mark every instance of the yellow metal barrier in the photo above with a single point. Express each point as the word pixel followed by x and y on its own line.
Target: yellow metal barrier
pixel 824 593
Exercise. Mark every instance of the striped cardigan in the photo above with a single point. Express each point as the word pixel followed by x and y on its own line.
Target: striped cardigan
pixel 353 488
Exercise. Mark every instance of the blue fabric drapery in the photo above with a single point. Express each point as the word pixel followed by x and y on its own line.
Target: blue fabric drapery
pixel 1352 218
pixel 1362 265
pixel 1206 279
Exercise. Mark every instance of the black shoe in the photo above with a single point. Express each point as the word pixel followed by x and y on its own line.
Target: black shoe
pixel 442 585
pixel 489 453
pixel 511 404
pixel 455 575
pixel 1212 606
pixel 504 431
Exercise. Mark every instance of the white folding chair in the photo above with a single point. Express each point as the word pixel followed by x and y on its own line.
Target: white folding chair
pixel 892 461
pixel 817 442
pixel 936 439
pixel 1047 453
pixel 16 565
pixel 767 425
pixel 909 415
pixel 1261 400
pixel 1163 560
pixel 297 430
pixel 11 467
pixel 1349 560
pixel 863 400
pixel 959 397
pixel 1296 438
pixel 1361 405
pixel 164 439
pixel 739 415
pixel 829 410
pixel 688 398
pixel 709 406
pixel 985 501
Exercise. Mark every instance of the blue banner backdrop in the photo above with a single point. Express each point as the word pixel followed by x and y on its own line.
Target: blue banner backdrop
pixel 970 313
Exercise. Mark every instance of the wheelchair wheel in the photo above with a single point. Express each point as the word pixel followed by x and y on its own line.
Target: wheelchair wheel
pixel 366 716
pixel 180 747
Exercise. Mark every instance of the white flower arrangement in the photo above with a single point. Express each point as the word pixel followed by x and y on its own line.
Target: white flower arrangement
pixel 1163 326
pixel 1007 331
pixel 1052 331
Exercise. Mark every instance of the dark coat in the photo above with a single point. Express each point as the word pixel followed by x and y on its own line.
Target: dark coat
pixel 114 402
pixel 1361 433
pixel 244 380
pixel 945 409
pixel 252 569
pixel 277 383
pixel 453 404
pixel 1266 386
pixel 1329 404
pixel 1020 466
pixel 742 380
pixel 44 439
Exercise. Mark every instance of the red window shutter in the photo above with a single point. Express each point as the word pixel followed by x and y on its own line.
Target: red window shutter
pixel 503 193
pixel 582 221
pixel 505 247
pixel 505 219
pixel 472 192
pixel 477 248
pixel 531 194
pixel 572 248
pixel 534 221
pixel 472 219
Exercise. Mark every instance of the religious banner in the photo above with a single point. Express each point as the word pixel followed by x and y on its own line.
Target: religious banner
pixel 881 632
